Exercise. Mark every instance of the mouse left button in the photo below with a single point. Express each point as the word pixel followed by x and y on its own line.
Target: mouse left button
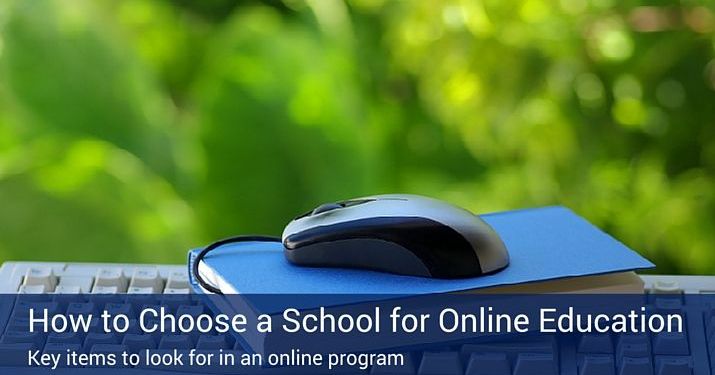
pixel 326 207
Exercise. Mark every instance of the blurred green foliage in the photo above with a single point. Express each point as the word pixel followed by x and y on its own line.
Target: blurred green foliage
pixel 133 130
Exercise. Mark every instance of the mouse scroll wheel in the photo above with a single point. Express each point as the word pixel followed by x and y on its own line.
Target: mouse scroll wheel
pixel 327 207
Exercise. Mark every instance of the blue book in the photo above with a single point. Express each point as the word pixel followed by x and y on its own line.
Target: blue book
pixel 544 244
pixel 548 243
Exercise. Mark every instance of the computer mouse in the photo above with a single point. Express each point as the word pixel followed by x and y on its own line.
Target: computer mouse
pixel 397 233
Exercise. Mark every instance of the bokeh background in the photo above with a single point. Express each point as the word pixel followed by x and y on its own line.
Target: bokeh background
pixel 132 130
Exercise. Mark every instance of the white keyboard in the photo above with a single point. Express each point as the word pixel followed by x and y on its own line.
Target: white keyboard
pixel 101 278
pixel 689 353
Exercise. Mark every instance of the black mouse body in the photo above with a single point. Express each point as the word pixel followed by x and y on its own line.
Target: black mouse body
pixel 401 234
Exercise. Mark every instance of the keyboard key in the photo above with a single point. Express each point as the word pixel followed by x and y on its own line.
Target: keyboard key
pixel 147 278
pixel 488 364
pixel 22 309
pixel 82 308
pixel 111 277
pixel 83 283
pixel 137 342
pixel 192 310
pixel 666 287
pixel 535 363
pixel 673 366
pixel 176 342
pixel 176 291
pixel 597 364
pixel 94 338
pixel 670 344
pixel 80 270
pixel 41 276
pixel 32 289
pixel 140 290
pixel 595 343
pixel 102 299
pixel 632 339
pixel 33 298
pixel 66 338
pixel 22 325
pixel 120 308
pixel 68 289
pixel 668 305
pixel 35 338
pixel 64 299
pixel 177 280
pixel 542 344
pixel 99 289
pixel 633 350
pixel 440 363
pixel 635 366
pixel 173 301
pixel 632 346
pixel 140 299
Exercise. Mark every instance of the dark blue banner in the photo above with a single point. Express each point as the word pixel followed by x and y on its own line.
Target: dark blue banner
pixel 381 334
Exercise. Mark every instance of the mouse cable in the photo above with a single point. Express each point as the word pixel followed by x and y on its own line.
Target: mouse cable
pixel 217 244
